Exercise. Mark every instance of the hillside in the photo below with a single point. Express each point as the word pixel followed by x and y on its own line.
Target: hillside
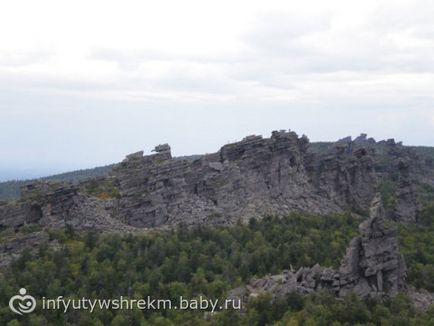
pixel 296 232
pixel 211 262
pixel 11 190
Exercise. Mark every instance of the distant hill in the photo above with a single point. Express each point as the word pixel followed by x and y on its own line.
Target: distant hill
pixel 10 190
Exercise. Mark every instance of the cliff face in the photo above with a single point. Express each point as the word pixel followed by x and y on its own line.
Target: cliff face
pixel 403 173
pixel 373 265
pixel 254 177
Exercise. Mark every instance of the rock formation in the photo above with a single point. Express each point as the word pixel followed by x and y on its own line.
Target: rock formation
pixel 56 205
pixel 250 178
pixel 411 171
pixel 406 205
pixel 373 265
pixel 372 268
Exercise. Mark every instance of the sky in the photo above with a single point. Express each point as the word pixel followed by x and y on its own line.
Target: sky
pixel 83 83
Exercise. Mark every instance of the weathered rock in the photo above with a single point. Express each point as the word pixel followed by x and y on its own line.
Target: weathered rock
pixel 373 265
pixel 162 148
pixel 56 205
pixel 253 177
pixel 250 178
pixel 371 268
pixel 406 206
pixel 409 170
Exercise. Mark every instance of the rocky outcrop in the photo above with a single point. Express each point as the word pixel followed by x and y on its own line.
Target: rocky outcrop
pixel 372 268
pixel 253 177
pixel 346 175
pixel 410 170
pixel 406 201
pixel 373 265
pixel 56 205
pixel 250 178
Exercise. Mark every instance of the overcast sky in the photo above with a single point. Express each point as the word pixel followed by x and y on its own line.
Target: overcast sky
pixel 82 83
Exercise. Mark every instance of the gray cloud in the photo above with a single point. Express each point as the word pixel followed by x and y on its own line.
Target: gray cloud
pixel 284 70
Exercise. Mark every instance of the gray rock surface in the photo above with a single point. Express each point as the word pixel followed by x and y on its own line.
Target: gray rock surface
pixel 253 177
pixel 250 178
pixel 371 268
pixel 373 265
pixel 56 205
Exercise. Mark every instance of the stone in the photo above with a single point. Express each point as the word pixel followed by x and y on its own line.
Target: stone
pixel 406 207
pixel 373 265
pixel 253 177
pixel 162 148
pixel 371 268
pixel 250 178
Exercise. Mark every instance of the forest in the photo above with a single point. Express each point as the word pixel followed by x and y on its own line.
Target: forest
pixel 207 261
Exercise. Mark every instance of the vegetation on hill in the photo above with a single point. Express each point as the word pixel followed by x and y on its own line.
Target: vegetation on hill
pixel 10 190
pixel 211 261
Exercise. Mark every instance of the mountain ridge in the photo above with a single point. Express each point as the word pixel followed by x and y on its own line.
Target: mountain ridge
pixel 253 177
pixel 11 189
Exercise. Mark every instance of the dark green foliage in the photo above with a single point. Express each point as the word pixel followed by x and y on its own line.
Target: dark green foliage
pixel 417 245
pixel 425 152
pixel 210 262
pixel 10 190
pixel 387 190
pixel 185 262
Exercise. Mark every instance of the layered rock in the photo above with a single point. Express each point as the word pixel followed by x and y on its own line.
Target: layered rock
pixel 57 205
pixel 253 177
pixel 406 201
pixel 372 267
pixel 250 178
pixel 411 170
pixel 346 175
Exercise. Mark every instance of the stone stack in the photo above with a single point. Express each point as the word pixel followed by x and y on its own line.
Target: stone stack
pixel 372 267
pixel 250 178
